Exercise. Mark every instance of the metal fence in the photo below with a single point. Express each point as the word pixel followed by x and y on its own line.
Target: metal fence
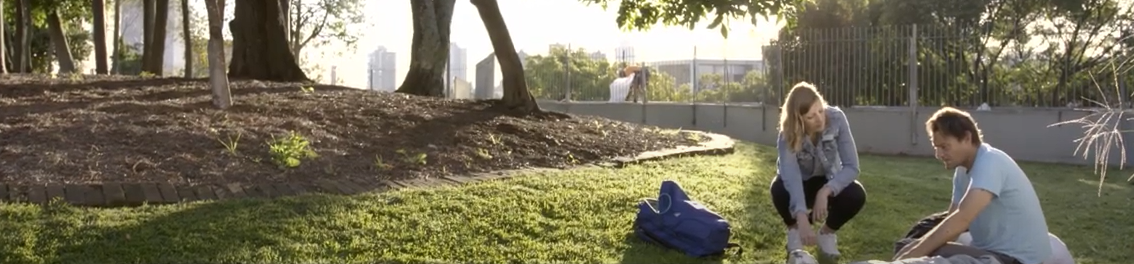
pixel 879 66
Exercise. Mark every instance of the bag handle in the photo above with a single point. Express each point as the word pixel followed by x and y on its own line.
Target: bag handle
pixel 664 200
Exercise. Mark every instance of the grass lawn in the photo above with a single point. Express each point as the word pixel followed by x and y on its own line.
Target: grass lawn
pixel 578 216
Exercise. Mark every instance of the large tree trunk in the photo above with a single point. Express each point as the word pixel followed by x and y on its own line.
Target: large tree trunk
pixel 23 26
pixel 148 9
pixel 99 10
pixel 285 8
pixel 3 39
pixel 430 52
pixel 516 95
pixel 259 44
pixel 187 34
pixel 59 41
pixel 117 36
pixel 222 97
pixel 161 23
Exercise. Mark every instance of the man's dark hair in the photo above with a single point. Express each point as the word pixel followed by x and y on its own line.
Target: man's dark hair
pixel 954 123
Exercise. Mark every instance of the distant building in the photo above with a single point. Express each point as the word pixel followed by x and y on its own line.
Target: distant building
pixel 486 86
pixel 381 70
pixel 457 69
pixel 598 55
pixel 523 57
pixel 730 70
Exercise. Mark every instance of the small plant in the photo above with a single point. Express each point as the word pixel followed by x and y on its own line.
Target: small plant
pixel 483 153
pixel 411 158
pixel 571 158
pixel 146 74
pixel 307 89
pixel 288 151
pixel 231 143
pixel 75 77
pixel 495 140
pixel 380 164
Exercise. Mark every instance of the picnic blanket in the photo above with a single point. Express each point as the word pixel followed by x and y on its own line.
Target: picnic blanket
pixel 958 259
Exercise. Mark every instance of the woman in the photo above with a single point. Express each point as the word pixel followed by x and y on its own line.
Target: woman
pixel 817 169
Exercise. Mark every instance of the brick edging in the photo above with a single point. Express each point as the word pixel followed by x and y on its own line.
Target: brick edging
pixel 113 194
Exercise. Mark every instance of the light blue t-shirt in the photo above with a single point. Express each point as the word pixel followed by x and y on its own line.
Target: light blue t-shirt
pixel 1013 223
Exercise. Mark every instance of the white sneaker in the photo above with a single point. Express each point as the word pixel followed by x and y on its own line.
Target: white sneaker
pixel 801 257
pixel 828 244
pixel 794 242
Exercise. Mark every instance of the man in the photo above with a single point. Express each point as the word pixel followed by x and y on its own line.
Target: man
pixel 992 198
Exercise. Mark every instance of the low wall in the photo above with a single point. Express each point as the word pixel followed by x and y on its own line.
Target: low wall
pixel 1022 132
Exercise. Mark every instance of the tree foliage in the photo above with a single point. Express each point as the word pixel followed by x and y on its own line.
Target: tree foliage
pixel 322 22
pixel 644 14
pixel 73 13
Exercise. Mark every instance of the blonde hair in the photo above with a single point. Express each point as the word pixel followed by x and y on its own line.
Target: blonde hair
pixel 799 101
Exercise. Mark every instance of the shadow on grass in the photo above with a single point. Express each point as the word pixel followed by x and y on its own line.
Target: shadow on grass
pixel 760 215
pixel 212 232
pixel 639 251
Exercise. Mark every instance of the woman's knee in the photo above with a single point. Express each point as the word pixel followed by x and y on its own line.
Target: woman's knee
pixel 853 193
pixel 778 190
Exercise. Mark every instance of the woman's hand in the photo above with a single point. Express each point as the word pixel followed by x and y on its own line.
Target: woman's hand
pixel 806 233
pixel 819 209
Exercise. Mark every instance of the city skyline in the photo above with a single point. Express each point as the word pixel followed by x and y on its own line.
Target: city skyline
pixel 583 26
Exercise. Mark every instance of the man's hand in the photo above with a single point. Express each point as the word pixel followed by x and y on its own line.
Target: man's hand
pixel 904 253
pixel 907 252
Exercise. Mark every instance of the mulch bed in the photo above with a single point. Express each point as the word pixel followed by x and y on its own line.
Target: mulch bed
pixel 128 129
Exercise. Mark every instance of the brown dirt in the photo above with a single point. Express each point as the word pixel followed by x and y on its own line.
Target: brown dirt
pixel 130 129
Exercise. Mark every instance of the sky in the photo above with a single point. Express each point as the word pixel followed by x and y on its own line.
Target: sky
pixel 536 24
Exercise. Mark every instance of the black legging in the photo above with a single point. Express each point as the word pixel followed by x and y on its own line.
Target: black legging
pixel 840 208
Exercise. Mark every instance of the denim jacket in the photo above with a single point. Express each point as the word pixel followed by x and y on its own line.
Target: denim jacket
pixel 835 157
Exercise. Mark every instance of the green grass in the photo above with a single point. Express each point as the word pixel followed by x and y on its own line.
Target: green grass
pixel 578 216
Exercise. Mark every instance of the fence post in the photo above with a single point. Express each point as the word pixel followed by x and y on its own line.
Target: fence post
pixel 913 97
pixel 567 71
pixel 693 87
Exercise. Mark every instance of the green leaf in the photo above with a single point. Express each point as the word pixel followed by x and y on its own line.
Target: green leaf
pixel 717 21
pixel 724 31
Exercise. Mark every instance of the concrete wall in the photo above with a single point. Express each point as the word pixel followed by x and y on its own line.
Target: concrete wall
pixel 1022 132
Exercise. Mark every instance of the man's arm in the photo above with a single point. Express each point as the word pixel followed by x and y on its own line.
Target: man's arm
pixel 986 183
pixel 960 184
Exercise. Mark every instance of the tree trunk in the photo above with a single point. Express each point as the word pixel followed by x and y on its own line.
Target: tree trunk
pixel 259 46
pixel 23 48
pixel 187 34
pixel 516 95
pixel 117 36
pixel 222 97
pixel 59 41
pixel 285 8
pixel 3 39
pixel 430 52
pixel 99 10
pixel 148 9
pixel 161 23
